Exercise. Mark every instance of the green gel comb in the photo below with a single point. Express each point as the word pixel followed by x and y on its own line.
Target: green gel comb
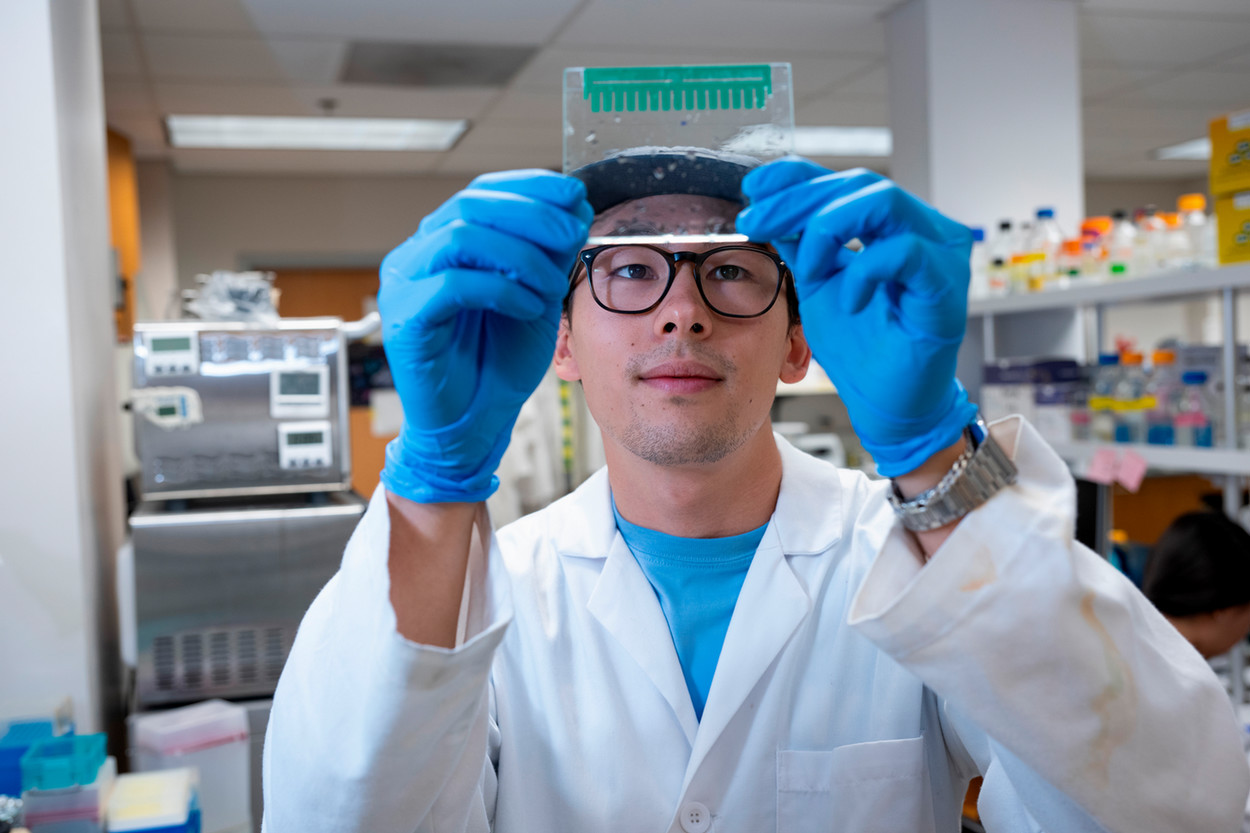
pixel 630 89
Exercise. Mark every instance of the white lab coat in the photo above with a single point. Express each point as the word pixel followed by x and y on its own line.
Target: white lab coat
pixel 1015 652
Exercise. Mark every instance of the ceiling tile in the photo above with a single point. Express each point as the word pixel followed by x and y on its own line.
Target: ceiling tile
pixel 240 100
pixel 1196 90
pixel 1161 125
pixel 309 61
pixel 176 58
pixel 196 16
pixel 393 102
pixel 1160 41
pixel 119 54
pixel 113 14
pixel 428 21
pixel 1098 82
pixel 1189 7
pixel 276 100
pixel 128 97
pixel 523 105
pixel 730 26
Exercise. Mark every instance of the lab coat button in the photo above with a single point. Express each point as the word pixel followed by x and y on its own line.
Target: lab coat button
pixel 695 818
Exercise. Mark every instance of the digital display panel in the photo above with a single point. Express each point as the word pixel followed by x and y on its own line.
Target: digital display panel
pixel 179 344
pixel 299 384
pixel 167 410
pixel 304 438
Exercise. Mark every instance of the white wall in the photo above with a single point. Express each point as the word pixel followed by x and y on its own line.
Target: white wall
pixel 61 507
pixel 231 222
pixel 156 285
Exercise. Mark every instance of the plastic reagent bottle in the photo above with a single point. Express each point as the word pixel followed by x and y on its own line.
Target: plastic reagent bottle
pixel 1047 237
pixel 1102 397
pixel 1198 226
pixel 1121 246
pixel 1163 392
pixel 1130 400
pixel 1192 421
pixel 999 251
pixel 1149 248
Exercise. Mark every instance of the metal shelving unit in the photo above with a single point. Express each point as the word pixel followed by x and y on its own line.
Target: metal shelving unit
pixel 1070 322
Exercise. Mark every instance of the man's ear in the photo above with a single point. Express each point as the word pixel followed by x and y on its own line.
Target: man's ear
pixel 798 356
pixel 565 361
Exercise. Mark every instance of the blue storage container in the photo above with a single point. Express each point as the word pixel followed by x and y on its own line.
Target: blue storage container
pixel 19 736
pixel 54 763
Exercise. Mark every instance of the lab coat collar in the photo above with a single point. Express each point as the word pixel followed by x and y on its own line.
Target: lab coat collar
pixel 771 605
pixel 808 518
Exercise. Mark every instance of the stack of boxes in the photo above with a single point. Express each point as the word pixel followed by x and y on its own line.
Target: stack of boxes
pixel 1230 185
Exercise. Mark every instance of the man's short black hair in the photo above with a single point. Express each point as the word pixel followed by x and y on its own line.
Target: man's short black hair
pixel 1200 564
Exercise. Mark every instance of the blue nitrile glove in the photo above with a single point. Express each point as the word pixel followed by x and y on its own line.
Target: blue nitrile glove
pixel 885 322
pixel 470 305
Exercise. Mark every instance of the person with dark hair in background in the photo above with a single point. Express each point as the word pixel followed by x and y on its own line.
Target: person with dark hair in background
pixel 1198 575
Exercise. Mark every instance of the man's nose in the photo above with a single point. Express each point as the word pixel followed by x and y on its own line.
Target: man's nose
pixel 683 309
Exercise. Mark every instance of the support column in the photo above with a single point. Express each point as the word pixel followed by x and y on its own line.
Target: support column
pixel 985 107
pixel 62 510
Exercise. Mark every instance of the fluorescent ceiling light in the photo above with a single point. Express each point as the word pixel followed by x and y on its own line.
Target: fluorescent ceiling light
pixel 1193 149
pixel 317 133
pixel 842 141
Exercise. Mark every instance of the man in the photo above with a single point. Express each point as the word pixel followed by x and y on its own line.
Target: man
pixel 718 632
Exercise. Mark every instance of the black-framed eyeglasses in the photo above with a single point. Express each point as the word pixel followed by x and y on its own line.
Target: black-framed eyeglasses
pixel 734 281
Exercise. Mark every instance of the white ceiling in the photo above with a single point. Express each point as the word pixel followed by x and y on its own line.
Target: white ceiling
pixel 1153 71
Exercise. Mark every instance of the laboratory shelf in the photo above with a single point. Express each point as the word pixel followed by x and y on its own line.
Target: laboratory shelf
pixel 1218 461
pixel 1173 283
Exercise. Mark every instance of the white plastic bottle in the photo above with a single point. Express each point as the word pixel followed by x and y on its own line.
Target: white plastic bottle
pixel 1150 245
pixel 1199 228
pixel 1193 419
pixel 1102 398
pixel 999 250
pixel 1046 237
pixel 1121 247
pixel 1162 395
pixel 1130 400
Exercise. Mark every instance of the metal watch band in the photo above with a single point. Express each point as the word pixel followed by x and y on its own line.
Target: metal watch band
pixel 980 472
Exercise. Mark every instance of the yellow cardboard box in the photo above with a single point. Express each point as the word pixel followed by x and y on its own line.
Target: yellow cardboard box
pixel 1230 153
pixel 1232 224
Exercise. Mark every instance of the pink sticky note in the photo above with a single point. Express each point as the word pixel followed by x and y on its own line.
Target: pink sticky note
pixel 1131 471
pixel 1102 467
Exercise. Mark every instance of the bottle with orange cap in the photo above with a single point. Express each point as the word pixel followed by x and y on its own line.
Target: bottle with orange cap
pixel 1175 250
pixel 1131 403
pixel 1095 247
pixel 1163 392
pixel 1068 267
pixel 1199 228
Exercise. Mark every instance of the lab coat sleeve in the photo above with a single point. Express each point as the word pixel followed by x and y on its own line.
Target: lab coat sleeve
pixel 372 732
pixel 1082 706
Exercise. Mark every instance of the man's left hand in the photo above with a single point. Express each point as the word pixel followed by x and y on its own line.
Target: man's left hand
pixel 885 322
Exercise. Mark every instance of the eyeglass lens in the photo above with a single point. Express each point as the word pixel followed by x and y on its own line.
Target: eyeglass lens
pixel 736 281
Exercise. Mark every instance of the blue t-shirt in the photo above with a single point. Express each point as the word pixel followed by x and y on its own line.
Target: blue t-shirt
pixel 697 581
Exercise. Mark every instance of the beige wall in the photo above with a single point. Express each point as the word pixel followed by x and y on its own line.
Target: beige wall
pixel 233 222
pixel 1102 196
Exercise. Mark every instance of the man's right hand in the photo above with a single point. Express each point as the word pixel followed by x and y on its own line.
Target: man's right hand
pixel 470 306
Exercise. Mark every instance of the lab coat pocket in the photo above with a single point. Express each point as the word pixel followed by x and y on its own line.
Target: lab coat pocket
pixel 877 787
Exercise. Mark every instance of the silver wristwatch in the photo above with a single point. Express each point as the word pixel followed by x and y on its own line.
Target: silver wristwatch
pixel 980 472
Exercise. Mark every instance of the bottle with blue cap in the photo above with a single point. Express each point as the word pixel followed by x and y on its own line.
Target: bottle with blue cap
pixel 1193 424
pixel 1102 398
pixel 1047 238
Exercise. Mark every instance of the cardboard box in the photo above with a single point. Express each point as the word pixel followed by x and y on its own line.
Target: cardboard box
pixel 1232 227
pixel 1230 153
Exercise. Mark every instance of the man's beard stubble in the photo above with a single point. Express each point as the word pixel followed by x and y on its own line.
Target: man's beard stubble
pixel 684 444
